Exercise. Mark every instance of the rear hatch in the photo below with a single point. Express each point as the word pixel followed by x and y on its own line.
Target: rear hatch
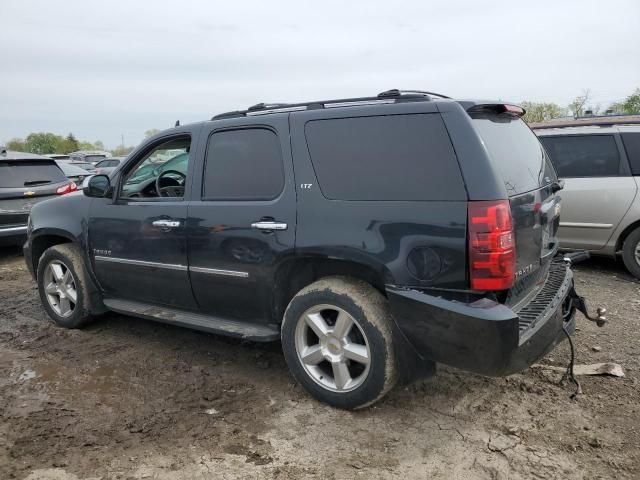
pixel 530 182
pixel 24 183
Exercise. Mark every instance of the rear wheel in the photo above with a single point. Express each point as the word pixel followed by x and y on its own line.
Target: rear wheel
pixel 337 340
pixel 62 284
pixel 631 253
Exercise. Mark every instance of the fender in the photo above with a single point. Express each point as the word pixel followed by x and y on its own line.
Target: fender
pixel 66 217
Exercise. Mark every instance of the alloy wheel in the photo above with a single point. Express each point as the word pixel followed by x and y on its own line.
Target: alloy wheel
pixel 60 288
pixel 332 348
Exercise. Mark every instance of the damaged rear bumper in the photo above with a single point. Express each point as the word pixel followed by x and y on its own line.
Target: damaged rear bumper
pixel 485 336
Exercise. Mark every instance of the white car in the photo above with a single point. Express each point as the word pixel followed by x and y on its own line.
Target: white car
pixel 599 160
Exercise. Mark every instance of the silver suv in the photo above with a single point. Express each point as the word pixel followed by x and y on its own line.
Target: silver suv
pixel 599 161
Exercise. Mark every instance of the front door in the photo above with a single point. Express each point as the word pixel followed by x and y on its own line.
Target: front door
pixel 138 241
pixel 242 219
pixel 598 187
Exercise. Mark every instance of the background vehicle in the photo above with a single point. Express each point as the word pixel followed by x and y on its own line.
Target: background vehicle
pixel 59 156
pixel 107 166
pixel 92 157
pixel 25 180
pixel 599 160
pixel 73 172
pixel 86 166
pixel 374 236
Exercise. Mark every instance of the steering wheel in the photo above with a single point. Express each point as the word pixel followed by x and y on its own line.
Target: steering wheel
pixel 171 190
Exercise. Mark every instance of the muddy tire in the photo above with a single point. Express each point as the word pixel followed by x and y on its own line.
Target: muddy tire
pixel 631 253
pixel 63 286
pixel 338 342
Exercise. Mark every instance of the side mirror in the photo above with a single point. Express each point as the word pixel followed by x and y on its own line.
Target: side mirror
pixel 98 186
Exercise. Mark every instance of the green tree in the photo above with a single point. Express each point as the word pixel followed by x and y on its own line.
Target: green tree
pixel 85 146
pixel 577 107
pixel 151 132
pixel 541 112
pixel 630 105
pixel 121 151
pixel 16 144
pixel 43 143
pixel 98 145
pixel 69 144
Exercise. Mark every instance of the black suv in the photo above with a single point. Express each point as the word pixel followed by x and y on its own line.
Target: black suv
pixel 374 236
pixel 26 179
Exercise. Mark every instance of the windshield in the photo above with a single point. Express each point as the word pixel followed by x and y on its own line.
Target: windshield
pixel 70 169
pixel 86 166
pixel 515 151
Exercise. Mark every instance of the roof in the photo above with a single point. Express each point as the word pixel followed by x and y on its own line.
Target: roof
pixel 602 121
pixel 13 155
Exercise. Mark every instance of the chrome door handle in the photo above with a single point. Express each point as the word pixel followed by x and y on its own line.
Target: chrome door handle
pixel 166 224
pixel 269 225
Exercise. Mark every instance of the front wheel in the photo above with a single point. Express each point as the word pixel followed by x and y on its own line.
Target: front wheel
pixel 338 343
pixel 631 253
pixel 63 288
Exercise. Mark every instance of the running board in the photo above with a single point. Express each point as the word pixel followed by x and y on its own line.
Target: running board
pixel 246 330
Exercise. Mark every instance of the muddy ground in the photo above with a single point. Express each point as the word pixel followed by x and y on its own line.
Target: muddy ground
pixel 128 399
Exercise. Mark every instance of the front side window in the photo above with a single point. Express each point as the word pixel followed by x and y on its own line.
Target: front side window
pixel 583 155
pixel 243 165
pixel 161 172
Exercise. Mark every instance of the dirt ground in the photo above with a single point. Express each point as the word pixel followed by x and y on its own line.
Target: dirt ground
pixel 130 399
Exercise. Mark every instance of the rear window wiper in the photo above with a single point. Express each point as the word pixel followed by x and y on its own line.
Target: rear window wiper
pixel 36 182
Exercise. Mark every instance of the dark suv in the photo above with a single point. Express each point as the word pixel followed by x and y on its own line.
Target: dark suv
pixel 374 236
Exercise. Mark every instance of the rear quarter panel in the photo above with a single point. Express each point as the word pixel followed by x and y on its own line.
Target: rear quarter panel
pixel 378 234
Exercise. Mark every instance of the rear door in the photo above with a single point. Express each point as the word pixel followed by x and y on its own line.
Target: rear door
pixel 242 219
pixel 24 183
pixel 598 187
pixel 528 178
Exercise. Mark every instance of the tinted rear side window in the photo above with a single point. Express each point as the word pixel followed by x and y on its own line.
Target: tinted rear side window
pixel 29 174
pixel 243 165
pixel 515 151
pixel 631 142
pixel 394 157
pixel 583 155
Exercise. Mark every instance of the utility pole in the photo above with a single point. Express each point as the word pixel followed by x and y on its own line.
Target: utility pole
pixel 122 137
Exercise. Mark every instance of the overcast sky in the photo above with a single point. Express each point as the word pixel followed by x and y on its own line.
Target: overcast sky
pixel 106 69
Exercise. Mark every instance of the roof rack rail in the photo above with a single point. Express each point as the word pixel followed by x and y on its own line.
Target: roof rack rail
pixel 389 96
pixel 394 92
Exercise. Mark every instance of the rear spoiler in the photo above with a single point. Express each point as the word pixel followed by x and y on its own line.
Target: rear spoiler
pixel 499 108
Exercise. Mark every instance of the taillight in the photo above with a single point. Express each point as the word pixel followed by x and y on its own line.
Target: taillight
pixel 68 188
pixel 492 248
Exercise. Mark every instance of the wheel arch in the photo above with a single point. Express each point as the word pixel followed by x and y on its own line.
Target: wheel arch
pixel 45 239
pixel 296 273
pixel 625 233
